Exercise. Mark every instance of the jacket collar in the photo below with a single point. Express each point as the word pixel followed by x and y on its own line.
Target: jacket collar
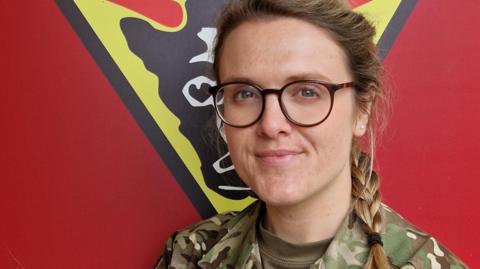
pixel 348 247
pixel 240 241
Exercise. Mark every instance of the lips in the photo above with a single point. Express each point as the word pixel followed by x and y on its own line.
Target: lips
pixel 277 157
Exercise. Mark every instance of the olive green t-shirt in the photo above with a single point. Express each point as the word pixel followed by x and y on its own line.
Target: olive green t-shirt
pixel 279 254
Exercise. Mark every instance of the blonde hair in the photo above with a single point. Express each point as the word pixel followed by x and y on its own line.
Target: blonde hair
pixel 355 35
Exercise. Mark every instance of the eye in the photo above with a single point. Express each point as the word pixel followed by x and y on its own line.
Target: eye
pixel 308 92
pixel 240 94
pixel 244 94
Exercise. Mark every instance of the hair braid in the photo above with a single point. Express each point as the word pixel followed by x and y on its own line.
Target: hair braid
pixel 367 203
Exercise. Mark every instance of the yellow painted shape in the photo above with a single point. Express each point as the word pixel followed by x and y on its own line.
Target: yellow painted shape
pixel 104 18
pixel 380 13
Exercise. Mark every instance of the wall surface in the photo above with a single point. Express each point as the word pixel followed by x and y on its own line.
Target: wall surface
pixel 94 176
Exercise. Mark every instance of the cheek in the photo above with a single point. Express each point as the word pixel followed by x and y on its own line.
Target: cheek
pixel 334 136
pixel 332 146
pixel 237 141
pixel 239 148
pixel 343 117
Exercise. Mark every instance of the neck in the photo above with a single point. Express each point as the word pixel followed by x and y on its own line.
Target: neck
pixel 315 219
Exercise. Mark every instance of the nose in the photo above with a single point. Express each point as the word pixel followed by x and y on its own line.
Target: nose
pixel 273 122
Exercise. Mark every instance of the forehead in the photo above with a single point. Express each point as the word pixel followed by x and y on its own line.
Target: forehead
pixel 272 51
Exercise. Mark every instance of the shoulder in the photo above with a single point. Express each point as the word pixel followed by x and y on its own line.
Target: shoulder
pixel 187 247
pixel 406 245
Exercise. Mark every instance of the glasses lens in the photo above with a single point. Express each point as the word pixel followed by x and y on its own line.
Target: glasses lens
pixel 239 104
pixel 306 103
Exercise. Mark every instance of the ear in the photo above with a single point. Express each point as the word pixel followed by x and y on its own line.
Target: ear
pixel 361 123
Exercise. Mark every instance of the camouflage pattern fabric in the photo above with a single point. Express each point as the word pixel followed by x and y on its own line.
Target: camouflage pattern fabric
pixel 229 241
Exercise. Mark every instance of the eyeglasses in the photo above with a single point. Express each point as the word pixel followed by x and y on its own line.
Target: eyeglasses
pixel 305 103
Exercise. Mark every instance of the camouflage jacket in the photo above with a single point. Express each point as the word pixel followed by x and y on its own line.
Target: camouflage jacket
pixel 229 240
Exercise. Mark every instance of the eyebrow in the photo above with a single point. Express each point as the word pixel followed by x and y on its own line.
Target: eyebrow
pixel 302 76
pixel 299 76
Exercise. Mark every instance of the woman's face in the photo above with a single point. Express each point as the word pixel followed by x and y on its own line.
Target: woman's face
pixel 283 163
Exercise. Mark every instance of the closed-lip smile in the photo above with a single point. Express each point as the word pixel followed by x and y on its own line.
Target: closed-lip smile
pixel 276 157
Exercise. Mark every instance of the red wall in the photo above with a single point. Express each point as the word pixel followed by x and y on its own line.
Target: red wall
pixel 429 156
pixel 81 186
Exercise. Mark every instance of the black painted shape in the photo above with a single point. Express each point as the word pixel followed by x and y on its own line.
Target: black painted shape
pixel 167 55
pixel 136 107
pixel 395 26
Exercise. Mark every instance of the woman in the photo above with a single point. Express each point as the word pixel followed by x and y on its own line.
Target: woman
pixel 298 88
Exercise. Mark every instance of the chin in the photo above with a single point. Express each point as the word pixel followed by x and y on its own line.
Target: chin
pixel 280 197
pixel 283 202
